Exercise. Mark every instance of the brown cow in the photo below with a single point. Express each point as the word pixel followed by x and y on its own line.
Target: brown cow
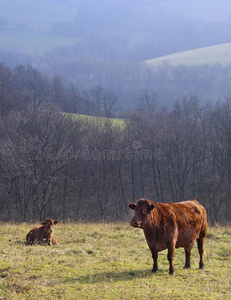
pixel 43 234
pixel 170 226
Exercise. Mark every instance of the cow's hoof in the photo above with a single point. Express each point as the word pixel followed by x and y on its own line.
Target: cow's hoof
pixel 173 274
pixel 201 266
pixel 187 267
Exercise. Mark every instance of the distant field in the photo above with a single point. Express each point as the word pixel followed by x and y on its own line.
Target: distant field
pixel 40 14
pixel 30 25
pixel 108 261
pixel 209 55
pixel 33 42
pixel 115 121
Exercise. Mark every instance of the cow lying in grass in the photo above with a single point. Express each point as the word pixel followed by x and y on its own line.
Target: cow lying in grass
pixel 43 234
pixel 170 226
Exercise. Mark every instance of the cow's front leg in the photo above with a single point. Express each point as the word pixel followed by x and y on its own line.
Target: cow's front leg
pixel 54 241
pixel 170 259
pixel 155 262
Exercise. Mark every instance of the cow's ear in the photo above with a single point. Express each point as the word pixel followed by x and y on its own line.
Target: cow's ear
pixel 151 207
pixel 132 205
pixel 56 222
pixel 43 223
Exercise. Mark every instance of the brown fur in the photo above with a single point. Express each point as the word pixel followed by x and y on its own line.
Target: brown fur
pixel 43 234
pixel 170 226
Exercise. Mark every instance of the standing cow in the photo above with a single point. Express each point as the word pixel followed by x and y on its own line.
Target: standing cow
pixel 170 226
pixel 43 234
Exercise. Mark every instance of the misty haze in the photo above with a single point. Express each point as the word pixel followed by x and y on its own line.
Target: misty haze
pixel 112 44
pixel 110 101
pixel 103 103
pixel 99 96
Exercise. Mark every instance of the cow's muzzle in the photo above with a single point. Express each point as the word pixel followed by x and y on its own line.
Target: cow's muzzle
pixel 134 223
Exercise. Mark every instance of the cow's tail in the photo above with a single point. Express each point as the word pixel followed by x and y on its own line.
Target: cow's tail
pixel 204 225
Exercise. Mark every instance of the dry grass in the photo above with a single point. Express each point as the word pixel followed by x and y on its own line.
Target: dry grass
pixel 108 261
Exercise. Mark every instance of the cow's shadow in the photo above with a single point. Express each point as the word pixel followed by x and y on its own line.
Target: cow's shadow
pixel 113 276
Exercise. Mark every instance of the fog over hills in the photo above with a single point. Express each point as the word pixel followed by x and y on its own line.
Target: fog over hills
pixel 134 20
pixel 88 42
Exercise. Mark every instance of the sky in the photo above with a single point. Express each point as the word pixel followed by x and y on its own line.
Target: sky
pixel 205 9
pixel 209 10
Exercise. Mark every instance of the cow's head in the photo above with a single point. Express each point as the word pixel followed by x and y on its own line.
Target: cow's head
pixel 49 224
pixel 142 216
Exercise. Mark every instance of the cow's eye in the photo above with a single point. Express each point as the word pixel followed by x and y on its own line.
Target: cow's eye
pixel 144 211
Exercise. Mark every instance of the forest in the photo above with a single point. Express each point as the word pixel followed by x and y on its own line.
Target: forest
pixel 54 163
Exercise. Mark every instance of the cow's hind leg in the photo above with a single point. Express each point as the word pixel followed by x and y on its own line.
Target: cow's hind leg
pixel 155 262
pixel 188 256
pixel 29 238
pixel 200 245
pixel 170 259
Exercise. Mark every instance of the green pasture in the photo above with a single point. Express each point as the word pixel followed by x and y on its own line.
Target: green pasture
pixel 208 55
pixel 98 120
pixel 108 261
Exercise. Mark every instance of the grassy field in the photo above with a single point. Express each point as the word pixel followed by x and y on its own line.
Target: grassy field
pixel 208 55
pixel 108 261
pixel 99 120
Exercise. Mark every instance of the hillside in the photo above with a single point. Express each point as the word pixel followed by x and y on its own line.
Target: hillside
pixel 208 55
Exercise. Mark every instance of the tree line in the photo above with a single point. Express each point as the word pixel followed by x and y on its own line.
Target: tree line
pixel 52 164
pixel 91 65
pixel 26 85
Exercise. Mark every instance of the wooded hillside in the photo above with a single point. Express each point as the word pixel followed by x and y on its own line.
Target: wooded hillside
pixel 52 164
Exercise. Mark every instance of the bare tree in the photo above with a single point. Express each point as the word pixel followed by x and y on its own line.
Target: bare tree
pixel 148 100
